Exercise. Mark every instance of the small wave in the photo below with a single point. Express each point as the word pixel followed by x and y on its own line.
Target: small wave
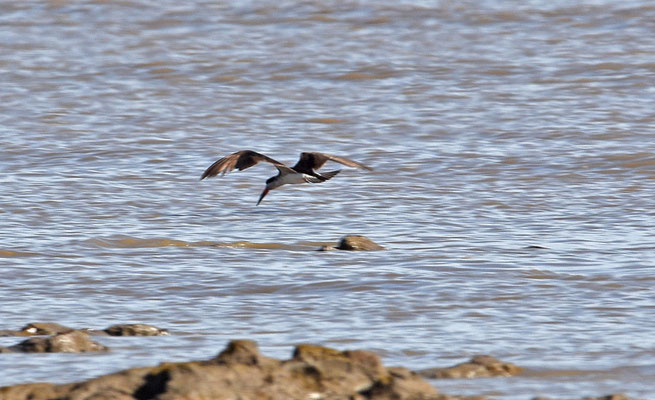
pixel 325 120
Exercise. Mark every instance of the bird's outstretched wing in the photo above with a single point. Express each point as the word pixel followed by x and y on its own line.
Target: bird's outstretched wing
pixel 240 160
pixel 312 161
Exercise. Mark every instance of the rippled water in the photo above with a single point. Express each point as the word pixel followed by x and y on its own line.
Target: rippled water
pixel 514 157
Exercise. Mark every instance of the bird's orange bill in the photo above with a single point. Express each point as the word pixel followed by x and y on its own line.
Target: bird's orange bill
pixel 264 193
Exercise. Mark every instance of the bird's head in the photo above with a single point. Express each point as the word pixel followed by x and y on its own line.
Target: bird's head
pixel 271 183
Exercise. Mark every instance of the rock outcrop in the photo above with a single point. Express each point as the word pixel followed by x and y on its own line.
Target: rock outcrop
pixel 135 330
pixel 67 342
pixel 481 366
pixel 241 372
pixel 616 396
pixel 51 328
pixel 37 328
pixel 354 243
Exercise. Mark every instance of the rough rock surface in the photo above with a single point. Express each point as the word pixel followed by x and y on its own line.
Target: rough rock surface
pixel 135 330
pixel 67 342
pixel 50 328
pixel 241 372
pixel 37 328
pixel 480 366
pixel 354 242
pixel 616 396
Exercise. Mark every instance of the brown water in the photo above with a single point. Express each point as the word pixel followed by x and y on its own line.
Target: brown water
pixel 514 152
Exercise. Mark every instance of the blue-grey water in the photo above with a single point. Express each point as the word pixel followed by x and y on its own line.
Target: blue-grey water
pixel 514 152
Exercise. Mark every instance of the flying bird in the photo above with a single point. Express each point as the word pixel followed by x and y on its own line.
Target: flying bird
pixel 303 172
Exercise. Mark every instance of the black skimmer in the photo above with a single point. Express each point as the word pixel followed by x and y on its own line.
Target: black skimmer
pixel 303 172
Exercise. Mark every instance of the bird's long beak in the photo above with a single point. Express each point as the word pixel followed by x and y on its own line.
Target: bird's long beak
pixel 264 193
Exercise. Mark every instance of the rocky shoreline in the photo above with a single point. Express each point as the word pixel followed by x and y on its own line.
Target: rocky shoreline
pixel 241 372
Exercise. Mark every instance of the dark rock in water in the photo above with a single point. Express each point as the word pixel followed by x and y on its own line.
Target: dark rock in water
pixel 67 342
pixel 403 383
pixel 337 370
pixel 241 372
pixel 4 350
pixel 354 242
pixel 44 328
pixel 135 330
pixel 50 328
pixel 616 396
pixel 240 352
pixel 479 367
pixel 37 328
pixel 357 242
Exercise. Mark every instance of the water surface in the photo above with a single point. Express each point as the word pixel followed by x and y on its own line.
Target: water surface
pixel 513 151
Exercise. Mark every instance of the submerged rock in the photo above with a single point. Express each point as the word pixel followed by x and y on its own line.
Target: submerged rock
pixel 37 328
pixel 241 372
pixel 51 328
pixel 354 243
pixel 67 342
pixel 616 396
pixel 357 242
pixel 44 328
pixel 481 366
pixel 135 330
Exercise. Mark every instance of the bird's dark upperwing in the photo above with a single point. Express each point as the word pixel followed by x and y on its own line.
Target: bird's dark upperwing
pixel 313 161
pixel 240 160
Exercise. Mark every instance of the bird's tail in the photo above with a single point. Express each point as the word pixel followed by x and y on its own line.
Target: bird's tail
pixel 322 177
pixel 329 175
